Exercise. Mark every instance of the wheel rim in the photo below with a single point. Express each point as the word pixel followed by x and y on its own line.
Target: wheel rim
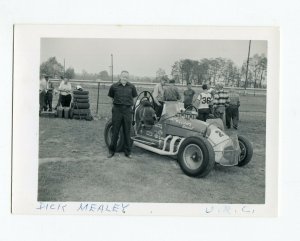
pixel 193 156
pixel 243 151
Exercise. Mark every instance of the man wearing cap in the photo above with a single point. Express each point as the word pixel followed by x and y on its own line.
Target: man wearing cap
pixel 123 94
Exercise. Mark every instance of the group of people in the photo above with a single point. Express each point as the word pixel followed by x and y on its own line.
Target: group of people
pixel 123 93
pixel 217 102
pixel 220 104
pixel 46 93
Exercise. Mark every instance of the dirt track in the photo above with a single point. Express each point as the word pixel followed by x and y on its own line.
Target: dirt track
pixel 73 167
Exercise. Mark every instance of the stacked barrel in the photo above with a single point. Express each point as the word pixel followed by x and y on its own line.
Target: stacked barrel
pixel 80 107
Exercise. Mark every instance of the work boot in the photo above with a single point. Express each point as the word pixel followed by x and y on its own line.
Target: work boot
pixel 128 155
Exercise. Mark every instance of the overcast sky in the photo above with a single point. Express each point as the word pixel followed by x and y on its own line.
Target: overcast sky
pixel 142 57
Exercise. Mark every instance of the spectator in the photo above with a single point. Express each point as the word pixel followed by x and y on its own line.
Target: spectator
pixel 158 95
pixel 203 102
pixel 123 94
pixel 48 94
pixel 59 96
pixel 211 90
pixel 232 111
pixel 221 101
pixel 171 92
pixel 43 87
pixel 188 95
pixel 65 89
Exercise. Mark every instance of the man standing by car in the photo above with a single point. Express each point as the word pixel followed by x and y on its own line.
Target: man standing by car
pixel 232 110
pixel 171 92
pixel 158 95
pixel 122 94
pixel 221 101
pixel 188 95
pixel 203 103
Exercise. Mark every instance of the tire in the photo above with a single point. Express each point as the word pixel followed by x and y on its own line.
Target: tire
pixel 80 96
pixel 81 111
pixel 246 151
pixel 80 92
pixel 108 134
pixel 81 105
pixel 196 148
pixel 81 100
pixel 71 114
pixel 79 117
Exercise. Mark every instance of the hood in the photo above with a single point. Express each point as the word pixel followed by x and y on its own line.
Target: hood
pixel 187 124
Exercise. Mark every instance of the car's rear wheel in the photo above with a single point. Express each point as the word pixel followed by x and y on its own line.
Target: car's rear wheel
pixel 246 151
pixel 196 157
pixel 108 136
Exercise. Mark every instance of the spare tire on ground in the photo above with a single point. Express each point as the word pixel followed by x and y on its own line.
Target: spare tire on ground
pixel 81 111
pixel 81 100
pixel 83 117
pixel 81 105
pixel 80 96
pixel 80 92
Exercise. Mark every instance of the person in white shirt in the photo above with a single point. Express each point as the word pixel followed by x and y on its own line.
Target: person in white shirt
pixel 57 91
pixel 158 96
pixel 203 102
pixel 65 89
pixel 42 89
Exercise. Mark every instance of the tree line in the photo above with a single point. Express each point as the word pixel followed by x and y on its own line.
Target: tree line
pixel 216 70
pixel 198 72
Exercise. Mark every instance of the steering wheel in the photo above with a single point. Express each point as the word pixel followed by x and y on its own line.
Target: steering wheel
pixel 144 95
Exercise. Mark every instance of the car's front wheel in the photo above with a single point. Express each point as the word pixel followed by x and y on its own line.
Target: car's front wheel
pixel 108 136
pixel 196 157
pixel 246 151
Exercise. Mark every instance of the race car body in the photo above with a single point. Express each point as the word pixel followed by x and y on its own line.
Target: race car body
pixel 177 132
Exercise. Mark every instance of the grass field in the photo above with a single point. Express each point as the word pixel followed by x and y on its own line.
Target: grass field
pixel 74 167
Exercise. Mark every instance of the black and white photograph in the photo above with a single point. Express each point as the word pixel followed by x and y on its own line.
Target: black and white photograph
pixel 181 121
pixel 151 121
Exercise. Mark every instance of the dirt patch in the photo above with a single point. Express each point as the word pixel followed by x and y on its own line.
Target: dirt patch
pixel 73 167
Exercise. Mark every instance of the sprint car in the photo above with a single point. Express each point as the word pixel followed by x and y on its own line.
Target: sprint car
pixel 177 132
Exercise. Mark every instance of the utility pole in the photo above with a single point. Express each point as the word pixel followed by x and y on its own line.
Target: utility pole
pixel 64 67
pixel 112 68
pixel 246 80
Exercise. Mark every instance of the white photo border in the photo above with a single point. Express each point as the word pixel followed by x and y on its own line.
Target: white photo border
pixel 26 120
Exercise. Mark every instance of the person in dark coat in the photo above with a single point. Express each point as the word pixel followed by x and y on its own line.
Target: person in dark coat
pixel 123 94
pixel 171 92
pixel 188 95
